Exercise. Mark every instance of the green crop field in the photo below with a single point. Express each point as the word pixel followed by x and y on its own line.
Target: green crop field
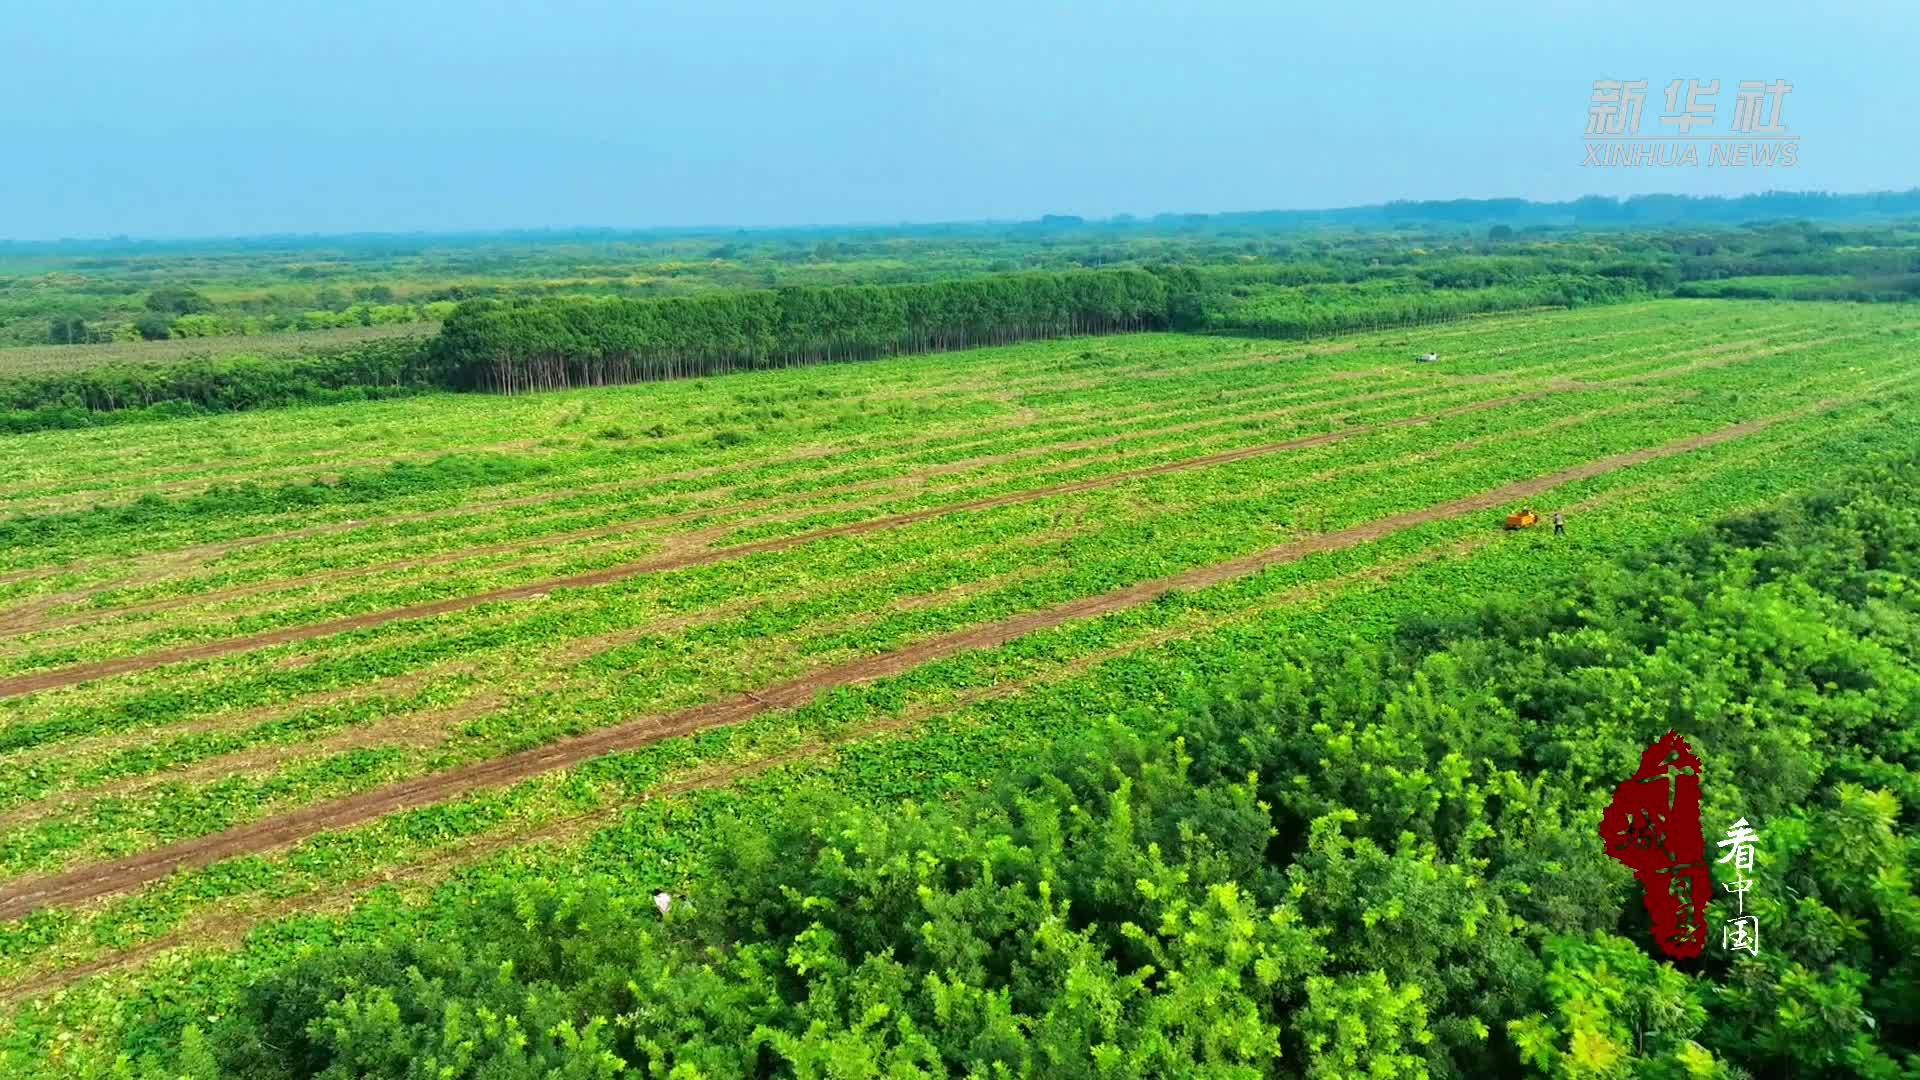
pixel 276 679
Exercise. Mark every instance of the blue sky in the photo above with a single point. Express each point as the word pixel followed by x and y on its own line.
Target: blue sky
pixel 210 117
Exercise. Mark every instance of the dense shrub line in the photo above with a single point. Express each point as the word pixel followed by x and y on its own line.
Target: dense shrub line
pixel 525 345
pixel 1370 860
pixel 1886 288
pixel 1316 310
pixel 540 344
pixel 113 393
pixel 519 345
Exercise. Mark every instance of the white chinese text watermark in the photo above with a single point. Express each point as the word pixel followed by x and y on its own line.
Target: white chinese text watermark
pixel 1755 136
pixel 1742 933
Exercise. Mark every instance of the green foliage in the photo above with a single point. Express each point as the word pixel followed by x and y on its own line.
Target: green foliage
pixel 557 343
pixel 89 396
pixel 284 286
pixel 1368 860
pixel 1616 1012
pixel 1894 286
pixel 153 326
pixel 68 332
pixel 843 946
pixel 1430 295
pixel 177 300
pixel 1360 1025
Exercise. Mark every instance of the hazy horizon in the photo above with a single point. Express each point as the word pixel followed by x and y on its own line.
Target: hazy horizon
pixel 720 228
pixel 215 119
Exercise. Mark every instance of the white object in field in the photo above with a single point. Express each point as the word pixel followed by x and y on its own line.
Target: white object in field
pixel 1428 358
pixel 663 901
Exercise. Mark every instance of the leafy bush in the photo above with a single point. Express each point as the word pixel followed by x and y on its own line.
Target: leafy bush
pixel 81 398
pixel 1439 293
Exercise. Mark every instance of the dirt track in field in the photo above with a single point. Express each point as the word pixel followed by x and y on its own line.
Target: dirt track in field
pixel 22 619
pixel 402 727
pixel 39 614
pixel 429 729
pixel 24 896
pixel 29 618
pixel 553 662
pixel 80 673
pixel 226 928
pixel 1047 383
pixel 221 547
pixel 26 618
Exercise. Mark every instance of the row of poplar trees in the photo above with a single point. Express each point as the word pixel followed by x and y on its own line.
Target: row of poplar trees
pixel 509 347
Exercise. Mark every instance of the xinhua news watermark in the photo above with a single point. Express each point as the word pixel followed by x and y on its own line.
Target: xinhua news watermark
pixel 1688 133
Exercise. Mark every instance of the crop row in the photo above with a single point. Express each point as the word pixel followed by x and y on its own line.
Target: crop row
pixel 425 540
pixel 436 420
pixel 1237 481
pixel 1236 505
pixel 657 841
pixel 1299 460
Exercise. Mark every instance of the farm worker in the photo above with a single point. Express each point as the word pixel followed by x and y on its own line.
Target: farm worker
pixel 1559 524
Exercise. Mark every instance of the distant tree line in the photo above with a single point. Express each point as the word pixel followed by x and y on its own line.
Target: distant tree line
pixel 548 344
pixel 135 290
pixel 545 344
pixel 517 344
pixel 1589 211
pixel 512 346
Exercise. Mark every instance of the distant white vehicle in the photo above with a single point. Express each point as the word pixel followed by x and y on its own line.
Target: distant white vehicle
pixel 1427 357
